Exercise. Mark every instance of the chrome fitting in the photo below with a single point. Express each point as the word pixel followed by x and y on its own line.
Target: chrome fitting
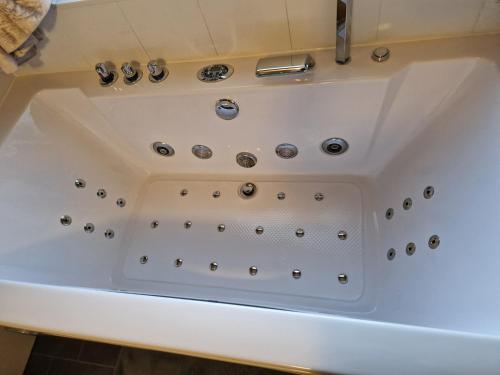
pixel 107 73
pixel 157 71
pixel 131 73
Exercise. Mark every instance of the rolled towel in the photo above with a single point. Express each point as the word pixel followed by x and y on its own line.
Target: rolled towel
pixel 19 20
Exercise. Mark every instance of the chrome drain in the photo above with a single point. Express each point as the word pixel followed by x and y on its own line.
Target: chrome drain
pixel 163 149
pixel 286 151
pixel 334 146
pixel 215 73
pixel 202 152
pixel 247 190
pixel 246 160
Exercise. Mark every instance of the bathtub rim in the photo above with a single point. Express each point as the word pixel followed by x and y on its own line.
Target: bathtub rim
pixel 114 320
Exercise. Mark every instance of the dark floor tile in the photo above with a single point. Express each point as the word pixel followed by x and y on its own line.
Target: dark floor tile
pixel 145 362
pixel 102 354
pixel 65 367
pixel 60 356
pixel 57 346
pixel 206 367
pixel 37 365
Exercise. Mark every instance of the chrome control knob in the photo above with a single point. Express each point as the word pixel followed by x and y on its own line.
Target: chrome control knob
pixel 131 74
pixel 157 71
pixel 107 73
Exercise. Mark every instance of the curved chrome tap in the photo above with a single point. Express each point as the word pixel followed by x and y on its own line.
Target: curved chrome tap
pixel 157 71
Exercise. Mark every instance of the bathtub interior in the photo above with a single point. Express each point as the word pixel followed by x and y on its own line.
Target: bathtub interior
pixel 418 127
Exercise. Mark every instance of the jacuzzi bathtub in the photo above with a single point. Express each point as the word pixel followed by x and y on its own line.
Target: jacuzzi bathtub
pixel 408 288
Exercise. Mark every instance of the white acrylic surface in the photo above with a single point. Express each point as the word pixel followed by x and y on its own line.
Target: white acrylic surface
pixel 320 255
pixel 410 123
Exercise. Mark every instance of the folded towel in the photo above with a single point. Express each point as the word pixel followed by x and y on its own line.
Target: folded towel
pixel 19 20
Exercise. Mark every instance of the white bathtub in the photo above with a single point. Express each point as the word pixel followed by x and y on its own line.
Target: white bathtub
pixel 428 117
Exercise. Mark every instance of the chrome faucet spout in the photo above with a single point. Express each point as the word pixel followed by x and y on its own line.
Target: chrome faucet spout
pixel 343 38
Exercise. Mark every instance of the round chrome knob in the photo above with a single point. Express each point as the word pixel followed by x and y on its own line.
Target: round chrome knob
pixel 381 54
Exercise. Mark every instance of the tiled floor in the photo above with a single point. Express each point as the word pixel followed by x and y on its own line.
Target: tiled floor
pixel 61 356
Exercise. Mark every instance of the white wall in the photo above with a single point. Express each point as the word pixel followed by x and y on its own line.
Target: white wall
pixel 81 33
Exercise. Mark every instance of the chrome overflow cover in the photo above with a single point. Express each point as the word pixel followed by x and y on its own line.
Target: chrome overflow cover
pixel 226 109
pixel 215 72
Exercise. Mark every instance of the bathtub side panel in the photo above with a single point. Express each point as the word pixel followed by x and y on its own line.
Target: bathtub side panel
pixel 451 281
pixel 42 230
